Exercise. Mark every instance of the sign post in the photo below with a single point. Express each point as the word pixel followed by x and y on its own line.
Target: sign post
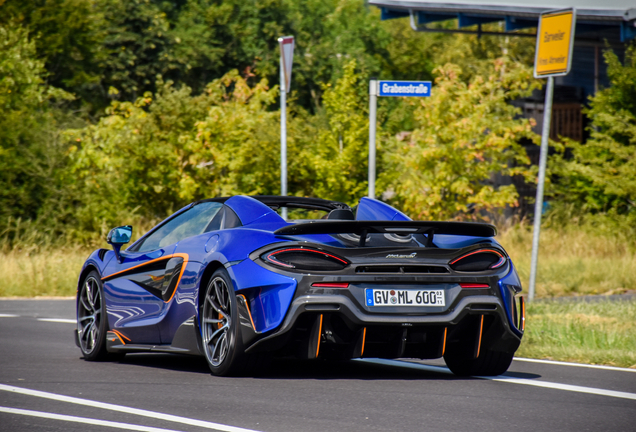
pixel 553 57
pixel 373 104
pixel 391 89
pixel 286 44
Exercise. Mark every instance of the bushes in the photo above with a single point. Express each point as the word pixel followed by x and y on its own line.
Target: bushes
pixel 598 176
pixel 30 121
pixel 467 133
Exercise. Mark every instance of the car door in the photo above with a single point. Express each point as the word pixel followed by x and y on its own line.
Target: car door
pixel 139 288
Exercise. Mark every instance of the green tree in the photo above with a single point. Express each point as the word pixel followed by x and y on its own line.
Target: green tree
pixel 236 147
pixel 137 47
pixel 148 158
pixel 218 36
pixel 128 164
pixel 329 151
pixel 598 175
pixel 67 36
pixel 30 152
pixel 469 133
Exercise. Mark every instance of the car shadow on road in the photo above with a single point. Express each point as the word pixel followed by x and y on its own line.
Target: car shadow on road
pixel 174 362
pixel 333 370
pixel 365 370
pixel 293 369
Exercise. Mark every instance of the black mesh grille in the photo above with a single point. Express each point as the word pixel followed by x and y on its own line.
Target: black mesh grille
pixel 402 269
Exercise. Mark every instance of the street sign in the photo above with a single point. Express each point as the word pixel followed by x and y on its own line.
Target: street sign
pixel 555 40
pixel 286 44
pixel 391 89
pixel 404 88
pixel 553 57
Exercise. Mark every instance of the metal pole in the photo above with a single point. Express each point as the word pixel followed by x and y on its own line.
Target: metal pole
pixel 373 102
pixel 538 206
pixel 283 136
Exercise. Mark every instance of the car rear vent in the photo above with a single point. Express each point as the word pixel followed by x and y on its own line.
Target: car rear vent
pixel 483 306
pixel 401 269
pixel 102 253
pixel 478 260
pixel 322 307
pixel 302 258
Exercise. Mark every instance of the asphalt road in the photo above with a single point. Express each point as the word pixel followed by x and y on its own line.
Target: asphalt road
pixel 46 386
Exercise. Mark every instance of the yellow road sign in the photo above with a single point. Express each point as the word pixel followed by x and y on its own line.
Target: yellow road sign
pixel 555 39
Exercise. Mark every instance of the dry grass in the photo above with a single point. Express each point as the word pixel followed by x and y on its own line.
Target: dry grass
pixel 50 272
pixel 574 261
pixel 571 262
pixel 38 264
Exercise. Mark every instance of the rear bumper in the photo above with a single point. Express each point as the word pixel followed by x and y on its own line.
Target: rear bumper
pixel 477 310
pixel 345 327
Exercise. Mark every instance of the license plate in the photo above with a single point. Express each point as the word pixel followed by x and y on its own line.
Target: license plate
pixel 394 297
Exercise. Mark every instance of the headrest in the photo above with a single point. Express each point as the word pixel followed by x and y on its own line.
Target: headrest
pixel 342 214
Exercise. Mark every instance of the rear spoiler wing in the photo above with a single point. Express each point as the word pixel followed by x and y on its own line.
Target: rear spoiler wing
pixel 363 228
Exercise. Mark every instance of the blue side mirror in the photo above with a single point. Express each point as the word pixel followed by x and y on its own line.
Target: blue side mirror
pixel 119 236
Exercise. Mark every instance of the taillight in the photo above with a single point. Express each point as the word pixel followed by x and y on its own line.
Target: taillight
pixel 479 260
pixel 330 284
pixel 299 258
pixel 474 285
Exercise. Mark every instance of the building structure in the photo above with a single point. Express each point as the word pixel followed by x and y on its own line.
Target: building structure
pixel 610 23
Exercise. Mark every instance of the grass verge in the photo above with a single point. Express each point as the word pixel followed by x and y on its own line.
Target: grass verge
pixel 49 272
pixel 601 332
pixel 574 261
pixel 571 263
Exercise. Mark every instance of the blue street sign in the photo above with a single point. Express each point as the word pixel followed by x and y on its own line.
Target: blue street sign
pixel 405 88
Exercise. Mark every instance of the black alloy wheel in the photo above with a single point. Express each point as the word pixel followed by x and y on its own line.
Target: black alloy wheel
pixel 222 343
pixel 92 322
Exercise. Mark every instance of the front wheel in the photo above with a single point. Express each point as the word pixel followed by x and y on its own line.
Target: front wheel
pixel 489 363
pixel 91 318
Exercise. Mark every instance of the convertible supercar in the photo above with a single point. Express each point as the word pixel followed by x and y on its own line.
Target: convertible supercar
pixel 230 279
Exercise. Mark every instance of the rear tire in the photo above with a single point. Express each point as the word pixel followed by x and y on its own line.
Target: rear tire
pixel 220 333
pixel 489 363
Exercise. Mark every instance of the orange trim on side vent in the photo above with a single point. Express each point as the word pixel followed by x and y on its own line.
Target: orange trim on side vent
pixel 523 314
pixel 364 338
pixel 444 345
pixel 481 328
pixel 167 257
pixel 120 336
pixel 247 305
pixel 319 334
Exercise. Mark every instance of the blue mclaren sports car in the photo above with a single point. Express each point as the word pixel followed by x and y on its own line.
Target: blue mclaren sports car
pixel 233 281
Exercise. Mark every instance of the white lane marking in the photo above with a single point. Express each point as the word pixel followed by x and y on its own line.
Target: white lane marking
pixel 117 425
pixel 408 365
pixel 121 408
pixel 554 362
pixel 8 316
pixel 58 320
pixel 559 386
pixel 503 378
